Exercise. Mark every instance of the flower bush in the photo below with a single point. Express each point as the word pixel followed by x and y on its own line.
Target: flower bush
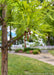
pixel 35 51
pixel 19 50
pixel 31 51
pixel 28 52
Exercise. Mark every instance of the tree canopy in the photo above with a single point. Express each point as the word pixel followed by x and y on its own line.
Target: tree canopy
pixel 31 14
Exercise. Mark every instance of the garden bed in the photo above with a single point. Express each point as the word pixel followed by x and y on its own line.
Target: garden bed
pixel 28 51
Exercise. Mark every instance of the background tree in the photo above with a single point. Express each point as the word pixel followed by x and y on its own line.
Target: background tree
pixel 49 19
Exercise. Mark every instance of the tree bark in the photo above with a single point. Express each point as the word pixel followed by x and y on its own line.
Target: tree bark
pixel 4 68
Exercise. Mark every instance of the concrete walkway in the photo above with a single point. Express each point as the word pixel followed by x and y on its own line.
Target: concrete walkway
pixel 47 57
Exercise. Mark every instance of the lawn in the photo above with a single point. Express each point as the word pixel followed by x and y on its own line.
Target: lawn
pixel 21 65
pixel 51 52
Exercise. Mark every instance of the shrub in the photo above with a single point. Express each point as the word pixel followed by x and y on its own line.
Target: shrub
pixel 31 51
pixel 28 52
pixel 19 50
pixel 16 50
pixel 35 51
pixel 28 49
pixel 37 48
pixel 23 45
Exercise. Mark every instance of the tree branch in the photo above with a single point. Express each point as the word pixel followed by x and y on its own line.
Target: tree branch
pixel 15 37
pixel 15 40
pixel 11 39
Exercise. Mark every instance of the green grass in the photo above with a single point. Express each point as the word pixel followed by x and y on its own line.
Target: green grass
pixel 51 52
pixel 20 65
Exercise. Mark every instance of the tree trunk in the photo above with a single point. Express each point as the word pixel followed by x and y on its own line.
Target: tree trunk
pixel 4 49
pixel 25 39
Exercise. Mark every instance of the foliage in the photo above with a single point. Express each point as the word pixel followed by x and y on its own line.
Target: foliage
pixel 22 15
pixel 31 51
pixel 28 52
pixel 18 50
pixel 35 51
pixel 37 15
pixel 28 49
pixel 23 45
